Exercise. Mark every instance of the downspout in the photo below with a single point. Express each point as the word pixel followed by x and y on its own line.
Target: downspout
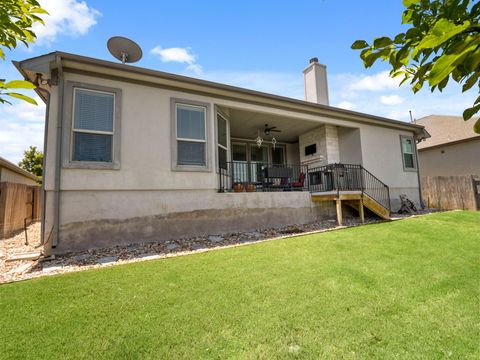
pixel 45 137
pixel 58 153
pixel 422 205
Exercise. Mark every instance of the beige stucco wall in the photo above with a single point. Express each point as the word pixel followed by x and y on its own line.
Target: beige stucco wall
pixel 145 185
pixel 350 146
pixel 451 160
pixel 382 156
pixel 7 175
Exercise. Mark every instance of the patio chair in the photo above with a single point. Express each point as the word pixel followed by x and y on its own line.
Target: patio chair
pixel 298 185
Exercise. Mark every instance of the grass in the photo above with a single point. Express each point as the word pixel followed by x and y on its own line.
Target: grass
pixel 407 289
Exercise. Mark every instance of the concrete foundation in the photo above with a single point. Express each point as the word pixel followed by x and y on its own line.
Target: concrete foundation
pixel 232 213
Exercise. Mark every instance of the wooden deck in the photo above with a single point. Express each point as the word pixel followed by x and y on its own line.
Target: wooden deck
pixel 356 200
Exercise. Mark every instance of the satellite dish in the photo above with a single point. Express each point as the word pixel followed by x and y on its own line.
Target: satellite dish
pixel 125 50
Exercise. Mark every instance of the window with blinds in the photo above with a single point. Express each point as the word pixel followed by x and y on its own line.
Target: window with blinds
pixel 93 125
pixel 191 139
pixel 408 153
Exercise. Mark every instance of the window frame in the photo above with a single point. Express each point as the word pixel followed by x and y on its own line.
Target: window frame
pixel 174 147
pixel 69 128
pixel 414 151
pixel 227 130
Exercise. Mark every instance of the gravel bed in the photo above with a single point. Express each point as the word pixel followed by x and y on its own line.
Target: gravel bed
pixel 95 258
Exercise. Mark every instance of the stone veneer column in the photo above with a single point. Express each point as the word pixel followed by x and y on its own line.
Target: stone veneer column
pixel 326 139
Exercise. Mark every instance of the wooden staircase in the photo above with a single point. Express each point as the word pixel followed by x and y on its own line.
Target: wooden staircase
pixel 352 185
pixel 356 201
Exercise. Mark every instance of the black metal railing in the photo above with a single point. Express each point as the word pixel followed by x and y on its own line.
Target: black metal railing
pixel 243 176
pixel 240 176
pixel 348 177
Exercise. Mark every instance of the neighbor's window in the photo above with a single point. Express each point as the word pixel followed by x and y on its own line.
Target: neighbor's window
pixel 93 125
pixel 408 152
pixel 191 140
pixel 222 141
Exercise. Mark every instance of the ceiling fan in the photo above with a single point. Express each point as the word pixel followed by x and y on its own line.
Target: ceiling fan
pixel 270 129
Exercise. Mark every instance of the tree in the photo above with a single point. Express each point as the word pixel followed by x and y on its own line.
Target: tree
pixel 16 20
pixel 32 161
pixel 441 43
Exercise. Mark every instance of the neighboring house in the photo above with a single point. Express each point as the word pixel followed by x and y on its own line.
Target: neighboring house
pixel 9 172
pixel 19 198
pixel 453 148
pixel 134 154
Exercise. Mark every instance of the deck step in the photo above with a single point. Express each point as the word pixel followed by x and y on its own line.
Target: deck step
pixel 353 200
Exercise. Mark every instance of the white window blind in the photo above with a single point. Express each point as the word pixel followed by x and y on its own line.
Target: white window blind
pixel 191 140
pixel 93 116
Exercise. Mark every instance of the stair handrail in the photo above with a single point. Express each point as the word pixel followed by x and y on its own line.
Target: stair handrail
pixel 333 183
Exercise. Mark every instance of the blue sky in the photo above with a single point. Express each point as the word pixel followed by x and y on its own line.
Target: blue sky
pixel 262 45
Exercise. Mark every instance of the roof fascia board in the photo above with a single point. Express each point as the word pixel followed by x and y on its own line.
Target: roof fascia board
pixel 92 66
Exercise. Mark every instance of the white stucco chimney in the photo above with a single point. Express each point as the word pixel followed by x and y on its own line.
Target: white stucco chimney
pixel 315 78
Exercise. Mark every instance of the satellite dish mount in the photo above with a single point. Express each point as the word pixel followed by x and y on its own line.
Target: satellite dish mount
pixel 123 49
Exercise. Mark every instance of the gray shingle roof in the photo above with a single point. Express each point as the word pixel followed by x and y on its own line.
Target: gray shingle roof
pixel 445 129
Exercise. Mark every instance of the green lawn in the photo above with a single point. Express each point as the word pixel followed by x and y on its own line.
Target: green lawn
pixel 406 289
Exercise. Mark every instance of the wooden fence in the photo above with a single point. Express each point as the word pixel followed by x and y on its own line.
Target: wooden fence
pixel 451 192
pixel 19 205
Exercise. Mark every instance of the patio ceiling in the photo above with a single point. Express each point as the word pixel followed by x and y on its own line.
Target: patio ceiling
pixel 245 124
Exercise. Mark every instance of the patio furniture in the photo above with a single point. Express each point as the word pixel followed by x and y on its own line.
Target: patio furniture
pixel 298 185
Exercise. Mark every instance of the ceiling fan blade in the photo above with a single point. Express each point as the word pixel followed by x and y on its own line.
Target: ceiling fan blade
pixel 275 130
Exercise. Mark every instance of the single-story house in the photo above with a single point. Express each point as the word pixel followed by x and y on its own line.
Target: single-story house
pixel 134 154
pixel 453 148
pixel 9 172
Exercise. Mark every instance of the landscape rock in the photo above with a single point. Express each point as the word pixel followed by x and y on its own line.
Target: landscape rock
pixel 107 260
pixel 81 257
pixel 51 268
pixel 20 269
pixel 215 238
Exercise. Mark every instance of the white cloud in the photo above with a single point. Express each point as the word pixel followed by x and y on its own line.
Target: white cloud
pixel 67 17
pixel 21 125
pixel 180 55
pixel 347 105
pixel 391 99
pixel 395 102
pixel 377 82
pixel 26 111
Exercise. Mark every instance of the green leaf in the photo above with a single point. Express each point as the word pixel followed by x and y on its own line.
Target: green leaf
pixel 447 62
pixel 443 83
pixel 39 10
pixel 443 30
pixel 470 82
pixel 407 16
pixel 20 84
pixel 408 3
pixel 382 42
pixel 468 113
pixel 399 39
pixel 476 127
pixel 412 33
pixel 22 97
pixel 359 44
